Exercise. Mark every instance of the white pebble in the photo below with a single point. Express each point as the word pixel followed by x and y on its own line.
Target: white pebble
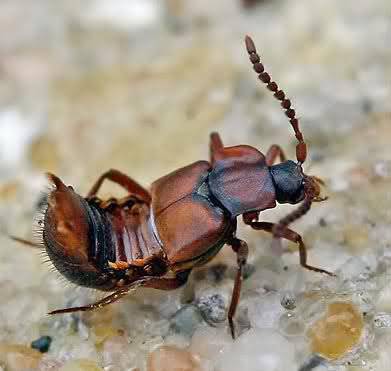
pixel 209 342
pixel 258 350
pixel 265 311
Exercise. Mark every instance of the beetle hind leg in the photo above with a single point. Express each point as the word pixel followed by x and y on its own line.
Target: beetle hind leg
pixel 97 305
pixel 160 283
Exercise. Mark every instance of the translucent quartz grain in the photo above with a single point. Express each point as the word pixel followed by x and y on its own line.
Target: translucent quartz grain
pixel 170 358
pixel 338 331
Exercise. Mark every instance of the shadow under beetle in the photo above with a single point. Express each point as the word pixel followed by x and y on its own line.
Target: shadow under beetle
pixel 154 239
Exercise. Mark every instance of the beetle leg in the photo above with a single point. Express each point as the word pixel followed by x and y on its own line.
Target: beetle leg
pixel 273 152
pixel 124 181
pixel 241 249
pixel 215 145
pixel 97 305
pixel 159 283
pixel 292 236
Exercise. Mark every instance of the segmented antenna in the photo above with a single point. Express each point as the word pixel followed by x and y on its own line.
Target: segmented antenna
pixel 301 147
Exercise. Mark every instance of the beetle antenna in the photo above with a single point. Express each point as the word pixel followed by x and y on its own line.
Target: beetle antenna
pixel 301 147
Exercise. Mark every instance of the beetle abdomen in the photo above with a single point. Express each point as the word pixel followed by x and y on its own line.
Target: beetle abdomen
pixel 86 241
pixel 133 239
pixel 77 238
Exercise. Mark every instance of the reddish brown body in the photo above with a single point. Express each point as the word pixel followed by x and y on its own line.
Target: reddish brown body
pixel 154 239
pixel 190 215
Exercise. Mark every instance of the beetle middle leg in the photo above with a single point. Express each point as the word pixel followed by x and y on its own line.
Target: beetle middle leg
pixel 124 181
pixel 241 249
pixel 273 152
pixel 292 236
pixel 160 283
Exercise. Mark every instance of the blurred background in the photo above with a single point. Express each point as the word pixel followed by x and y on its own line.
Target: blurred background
pixel 138 85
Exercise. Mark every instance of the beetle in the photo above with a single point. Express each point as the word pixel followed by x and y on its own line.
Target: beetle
pixel 155 238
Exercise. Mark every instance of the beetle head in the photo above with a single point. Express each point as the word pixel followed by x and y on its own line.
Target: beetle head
pixel 288 179
pixel 293 186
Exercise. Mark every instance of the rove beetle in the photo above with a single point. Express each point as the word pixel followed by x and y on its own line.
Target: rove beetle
pixel 154 239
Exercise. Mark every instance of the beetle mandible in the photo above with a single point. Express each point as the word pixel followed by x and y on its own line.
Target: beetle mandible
pixel 154 239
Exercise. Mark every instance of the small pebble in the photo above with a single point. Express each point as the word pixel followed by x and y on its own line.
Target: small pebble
pixel 169 358
pixel 186 320
pixel 212 308
pixel 288 301
pixel 382 320
pixel 42 344
pixel 338 331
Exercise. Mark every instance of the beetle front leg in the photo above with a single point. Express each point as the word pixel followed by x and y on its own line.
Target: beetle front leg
pixel 292 236
pixel 241 249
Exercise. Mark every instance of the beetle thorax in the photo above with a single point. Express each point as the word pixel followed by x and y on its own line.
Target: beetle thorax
pixel 241 181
